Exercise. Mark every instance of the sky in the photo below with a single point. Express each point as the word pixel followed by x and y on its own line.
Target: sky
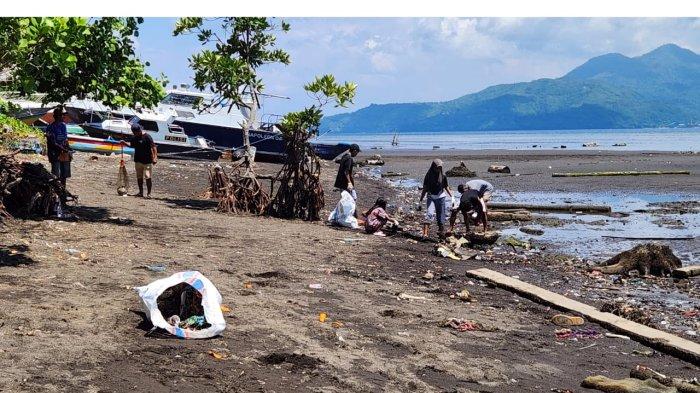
pixel 424 59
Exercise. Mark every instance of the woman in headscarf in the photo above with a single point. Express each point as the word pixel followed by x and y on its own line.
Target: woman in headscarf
pixel 436 187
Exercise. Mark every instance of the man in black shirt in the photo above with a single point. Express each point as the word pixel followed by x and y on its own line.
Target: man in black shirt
pixel 145 156
pixel 469 204
pixel 344 180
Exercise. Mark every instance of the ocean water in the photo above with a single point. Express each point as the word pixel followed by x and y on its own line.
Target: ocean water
pixel 659 139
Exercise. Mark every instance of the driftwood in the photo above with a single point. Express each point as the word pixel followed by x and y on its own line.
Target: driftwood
pixel 28 189
pixel 499 169
pixel 394 174
pixel 622 173
pixel 625 385
pixel 518 215
pixel 657 339
pixel 650 258
pixel 645 373
pixel 648 238
pixel 569 207
pixel 686 272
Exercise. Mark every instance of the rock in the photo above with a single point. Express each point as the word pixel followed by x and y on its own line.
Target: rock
pixel 626 385
pixel 428 275
pixel 650 258
pixel 499 169
pixel 532 231
pixel 488 237
pixel 460 170
pixel 515 242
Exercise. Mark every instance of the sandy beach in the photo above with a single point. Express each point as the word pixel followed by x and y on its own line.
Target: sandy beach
pixel 70 320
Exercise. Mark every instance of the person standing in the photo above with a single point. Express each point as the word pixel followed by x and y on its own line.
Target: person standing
pixel 344 180
pixel 58 150
pixel 436 187
pixel 145 156
pixel 484 188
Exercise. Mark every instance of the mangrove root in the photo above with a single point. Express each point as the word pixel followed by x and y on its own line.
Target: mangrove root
pixel 650 258
pixel 238 193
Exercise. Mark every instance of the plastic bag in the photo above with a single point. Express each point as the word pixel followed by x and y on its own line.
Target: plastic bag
pixel 211 303
pixel 344 212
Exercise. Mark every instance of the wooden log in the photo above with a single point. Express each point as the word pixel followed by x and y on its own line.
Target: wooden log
pixel 498 169
pixel 622 173
pixel 555 208
pixel 686 272
pixel 522 215
pixel 663 341
pixel 648 237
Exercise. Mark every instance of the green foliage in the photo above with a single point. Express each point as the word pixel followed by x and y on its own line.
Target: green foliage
pixel 324 90
pixel 240 47
pixel 8 108
pixel 65 57
pixel 13 130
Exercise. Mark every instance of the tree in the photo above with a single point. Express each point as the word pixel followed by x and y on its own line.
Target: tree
pixel 85 58
pixel 230 70
pixel 300 194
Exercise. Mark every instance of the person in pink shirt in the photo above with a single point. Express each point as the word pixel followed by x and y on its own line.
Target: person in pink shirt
pixel 377 218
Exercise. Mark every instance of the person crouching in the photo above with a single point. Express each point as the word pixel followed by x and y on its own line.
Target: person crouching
pixel 378 220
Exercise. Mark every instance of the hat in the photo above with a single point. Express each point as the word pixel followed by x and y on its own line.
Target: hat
pixel 136 127
pixel 437 162
pixel 355 147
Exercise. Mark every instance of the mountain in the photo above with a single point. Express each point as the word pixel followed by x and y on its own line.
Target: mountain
pixel 658 89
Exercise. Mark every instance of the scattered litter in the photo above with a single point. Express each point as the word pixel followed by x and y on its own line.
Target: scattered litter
pixel 613 335
pixel 219 354
pixel 405 296
pixel 322 317
pixel 587 346
pixel 72 251
pixel 464 295
pixel 155 268
pixel 563 334
pixel 646 352
pixel 428 275
pixel 628 311
pixel 315 286
pixel 225 308
pixel 567 320
pixel 337 324
pixel 463 325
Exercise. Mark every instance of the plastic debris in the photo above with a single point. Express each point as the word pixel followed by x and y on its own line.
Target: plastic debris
pixel 315 286
pixel 322 317
pixel 613 335
pixel 567 320
pixel 405 296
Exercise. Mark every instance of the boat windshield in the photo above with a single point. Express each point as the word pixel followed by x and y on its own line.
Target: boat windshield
pixel 187 100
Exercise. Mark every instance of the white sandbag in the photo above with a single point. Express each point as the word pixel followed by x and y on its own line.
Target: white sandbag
pixel 211 302
pixel 344 212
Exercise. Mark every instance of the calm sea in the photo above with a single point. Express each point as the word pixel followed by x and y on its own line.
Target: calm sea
pixel 674 139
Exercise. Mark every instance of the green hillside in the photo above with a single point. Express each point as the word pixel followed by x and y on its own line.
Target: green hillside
pixel 658 89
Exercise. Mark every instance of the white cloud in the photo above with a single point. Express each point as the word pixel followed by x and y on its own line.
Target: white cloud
pixel 382 62
pixel 371 44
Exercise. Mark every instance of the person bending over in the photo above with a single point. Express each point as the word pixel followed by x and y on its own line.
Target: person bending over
pixel 469 205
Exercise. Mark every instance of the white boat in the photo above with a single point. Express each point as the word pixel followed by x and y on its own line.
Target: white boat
pixel 170 138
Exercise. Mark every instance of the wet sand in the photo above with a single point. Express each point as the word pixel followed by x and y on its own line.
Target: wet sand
pixel 72 322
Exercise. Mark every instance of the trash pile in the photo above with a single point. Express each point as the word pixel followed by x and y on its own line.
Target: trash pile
pixel 28 189
pixel 191 302
pixel 628 311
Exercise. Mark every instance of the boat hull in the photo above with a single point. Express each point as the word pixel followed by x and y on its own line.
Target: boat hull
pixel 97 145
pixel 165 150
pixel 269 145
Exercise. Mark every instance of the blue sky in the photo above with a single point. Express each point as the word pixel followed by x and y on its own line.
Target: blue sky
pixel 426 59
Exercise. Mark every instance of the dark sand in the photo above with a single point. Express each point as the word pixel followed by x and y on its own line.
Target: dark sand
pixel 73 323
